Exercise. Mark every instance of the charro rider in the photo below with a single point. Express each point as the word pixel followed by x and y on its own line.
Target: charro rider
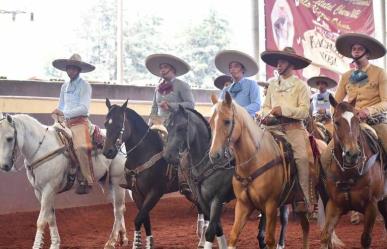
pixel 320 101
pixel 170 93
pixel 74 103
pixel 287 100
pixel 223 81
pixel 366 83
pixel 240 65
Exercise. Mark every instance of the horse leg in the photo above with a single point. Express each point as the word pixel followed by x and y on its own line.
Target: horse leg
pixel 242 212
pixel 382 206
pixel 118 233
pixel 142 217
pixel 369 222
pixel 214 227
pixel 284 216
pixel 305 229
pixel 201 226
pixel 333 213
pixel 148 231
pixel 46 215
pixel 271 220
pixel 261 232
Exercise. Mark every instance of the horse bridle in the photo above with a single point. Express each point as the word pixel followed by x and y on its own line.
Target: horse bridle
pixel 344 167
pixel 13 158
pixel 119 141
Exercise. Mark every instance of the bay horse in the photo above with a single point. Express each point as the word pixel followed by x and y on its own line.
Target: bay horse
pixel 189 140
pixel 356 178
pixel 147 172
pixel 259 176
pixel 47 165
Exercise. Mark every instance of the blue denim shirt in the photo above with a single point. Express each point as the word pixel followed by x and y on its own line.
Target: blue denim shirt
pixel 75 98
pixel 246 94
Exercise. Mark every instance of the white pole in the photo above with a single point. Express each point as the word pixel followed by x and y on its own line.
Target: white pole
pixel 255 20
pixel 119 67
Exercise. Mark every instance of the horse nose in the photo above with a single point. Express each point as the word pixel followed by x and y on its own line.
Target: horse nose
pixel 109 153
pixel 215 157
pixel 352 154
pixel 6 167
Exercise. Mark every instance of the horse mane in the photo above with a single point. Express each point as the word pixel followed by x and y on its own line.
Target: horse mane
pixel 136 120
pixel 256 132
pixel 32 120
pixel 200 116
pixel 140 124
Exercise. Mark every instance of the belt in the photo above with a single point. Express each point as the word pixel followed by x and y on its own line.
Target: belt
pixel 76 120
pixel 272 121
pixel 292 126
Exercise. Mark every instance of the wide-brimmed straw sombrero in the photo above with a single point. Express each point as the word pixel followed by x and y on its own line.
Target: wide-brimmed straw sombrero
pixel 221 80
pixel 153 62
pixel 271 58
pixel 76 61
pixel 312 82
pixel 345 42
pixel 263 83
pixel 225 57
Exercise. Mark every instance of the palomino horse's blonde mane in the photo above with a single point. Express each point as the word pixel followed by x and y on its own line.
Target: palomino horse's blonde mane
pixel 261 138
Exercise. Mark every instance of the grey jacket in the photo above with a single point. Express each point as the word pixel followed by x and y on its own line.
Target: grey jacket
pixel 181 94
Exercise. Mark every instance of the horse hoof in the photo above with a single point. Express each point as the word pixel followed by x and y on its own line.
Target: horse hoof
pixel 280 247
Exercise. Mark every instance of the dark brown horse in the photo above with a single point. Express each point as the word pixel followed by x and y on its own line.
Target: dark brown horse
pixel 355 175
pixel 147 172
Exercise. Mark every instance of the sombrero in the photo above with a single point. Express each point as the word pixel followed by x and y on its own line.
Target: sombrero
pixel 345 42
pixel 225 57
pixel 152 62
pixel 271 58
pixel 76 61
pixel 221 80
pixel 312 82
pixel 263 83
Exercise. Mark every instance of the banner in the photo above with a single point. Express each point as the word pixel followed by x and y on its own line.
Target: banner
pixel 311 28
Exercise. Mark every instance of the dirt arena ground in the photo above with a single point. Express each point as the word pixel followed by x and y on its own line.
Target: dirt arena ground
pixel 174 224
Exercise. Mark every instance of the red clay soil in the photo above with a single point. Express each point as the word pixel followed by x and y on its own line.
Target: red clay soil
pixel 174 224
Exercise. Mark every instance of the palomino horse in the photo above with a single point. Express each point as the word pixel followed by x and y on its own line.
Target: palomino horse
pixel 189 134
pixel 38 143
pixel 147 172
pixel 355 175
pixel 260 176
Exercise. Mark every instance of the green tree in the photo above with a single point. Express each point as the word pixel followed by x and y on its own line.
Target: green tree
pixel 202 42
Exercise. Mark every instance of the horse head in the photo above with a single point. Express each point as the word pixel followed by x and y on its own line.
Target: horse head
pixel 179 136
pixel 347 131
pixel 225 126
pixel 7 142
pixel 115 126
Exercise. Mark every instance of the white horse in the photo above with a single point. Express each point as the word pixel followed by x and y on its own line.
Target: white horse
pixel 35 141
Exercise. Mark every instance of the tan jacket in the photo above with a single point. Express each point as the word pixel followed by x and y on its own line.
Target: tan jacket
pixel 292 95
pixel 372 95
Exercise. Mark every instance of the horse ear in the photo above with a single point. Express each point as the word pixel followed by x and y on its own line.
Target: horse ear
pixel 9 119
pixel 181 108
pixel 124 105
pixel 214 99
pixel 353 102
pixel 108 104
pixel 227 100
pixel 332 100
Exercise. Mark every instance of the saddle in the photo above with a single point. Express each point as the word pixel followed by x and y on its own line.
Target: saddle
pixel 374 142
pixel 291 189
pixel 65 137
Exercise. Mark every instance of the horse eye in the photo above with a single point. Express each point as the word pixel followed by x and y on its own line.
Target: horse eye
pixel 337 123
pixel 9 139
pixel 227 122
